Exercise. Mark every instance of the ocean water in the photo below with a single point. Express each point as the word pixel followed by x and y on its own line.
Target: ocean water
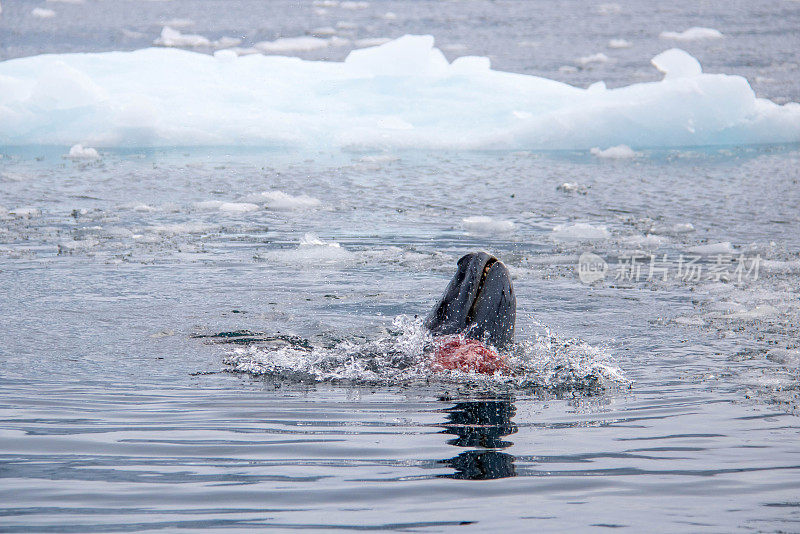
pixel 215 338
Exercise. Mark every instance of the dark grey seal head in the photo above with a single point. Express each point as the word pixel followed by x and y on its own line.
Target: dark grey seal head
pixel 479 302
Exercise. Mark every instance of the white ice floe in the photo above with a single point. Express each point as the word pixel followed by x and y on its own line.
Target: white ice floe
pixel 379 158
pixel 81 152
pixel 310 252
pixel 278 200
pixel 579 232
pixel 292 44
pixel 695 33
pixel 227 207
pixel 615 152
pixel 593 58
pixel 677 228
pixel 371 41
pixel 619 43
pixel 43 13
pixel 572 187
pixel 724 247
pixel 172 37
pixel 354 5
pixel 480 224
pixel 608 9
pixel 25 212
pixel 417 99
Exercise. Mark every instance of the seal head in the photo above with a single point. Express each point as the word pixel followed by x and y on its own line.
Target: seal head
pixel 479 302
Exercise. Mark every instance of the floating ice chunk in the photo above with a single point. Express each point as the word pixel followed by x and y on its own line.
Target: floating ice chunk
pixel 410 55
pixel 371 41
pixel 325 31
pixel 608 9
pixel 346 25
pixel 615 152
pixel 25 212
pixel 594 58
pixel 569 187
pixel 226 42
pixel 675 63
pixel 695 33
pixel 81 152
pixel 313 240
pixel 403 94
pixel 567 69
pixel 389 15
pixel 762 311
pixel 173 37
pixel 486 225
pixel 326 3
pixel 724 247
pixel 292 44
pixel 181 228
pixel 278 200
pixel 43 13
pixel 354 5
pixel 379 158
pixel 579 232
pixel 678 228
pixel 648 241
pixel 238 207
pixel 619 43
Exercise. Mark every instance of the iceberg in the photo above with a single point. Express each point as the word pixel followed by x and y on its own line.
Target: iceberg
pixel 399 95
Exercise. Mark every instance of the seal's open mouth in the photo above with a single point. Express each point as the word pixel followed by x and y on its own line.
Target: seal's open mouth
pixel 478 303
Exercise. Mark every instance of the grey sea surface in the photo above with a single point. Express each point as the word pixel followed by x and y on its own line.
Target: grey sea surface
pixel 225 338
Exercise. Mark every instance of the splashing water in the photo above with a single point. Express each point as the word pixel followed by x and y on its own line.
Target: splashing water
pixel 402 356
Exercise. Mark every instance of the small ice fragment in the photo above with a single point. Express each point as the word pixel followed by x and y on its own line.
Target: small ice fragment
pixel 619 43
pixel 615 152
pixel 486 225
pixel 567 69
pixel 25 212
pixel 226 42
pixel 569 187
pixel 695 33
pixel 43 13
pixel 379 158
pixel 354 5
pixel 608 9
pixel 579 232
pixel 762 311
pixel 80 152
pixel 678 228
pixel 312 240
pixel 724 247
pixel 594 58
pixel 278 200
pixel 326 3
pixel 371 41
pixel 292 44
pixel 238 207
pixel 389 15
pixel 676 63
pixel 172 37
pixel 346 25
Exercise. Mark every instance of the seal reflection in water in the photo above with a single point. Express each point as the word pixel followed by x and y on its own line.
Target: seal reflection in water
pixel 475 317
pixel 481 424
